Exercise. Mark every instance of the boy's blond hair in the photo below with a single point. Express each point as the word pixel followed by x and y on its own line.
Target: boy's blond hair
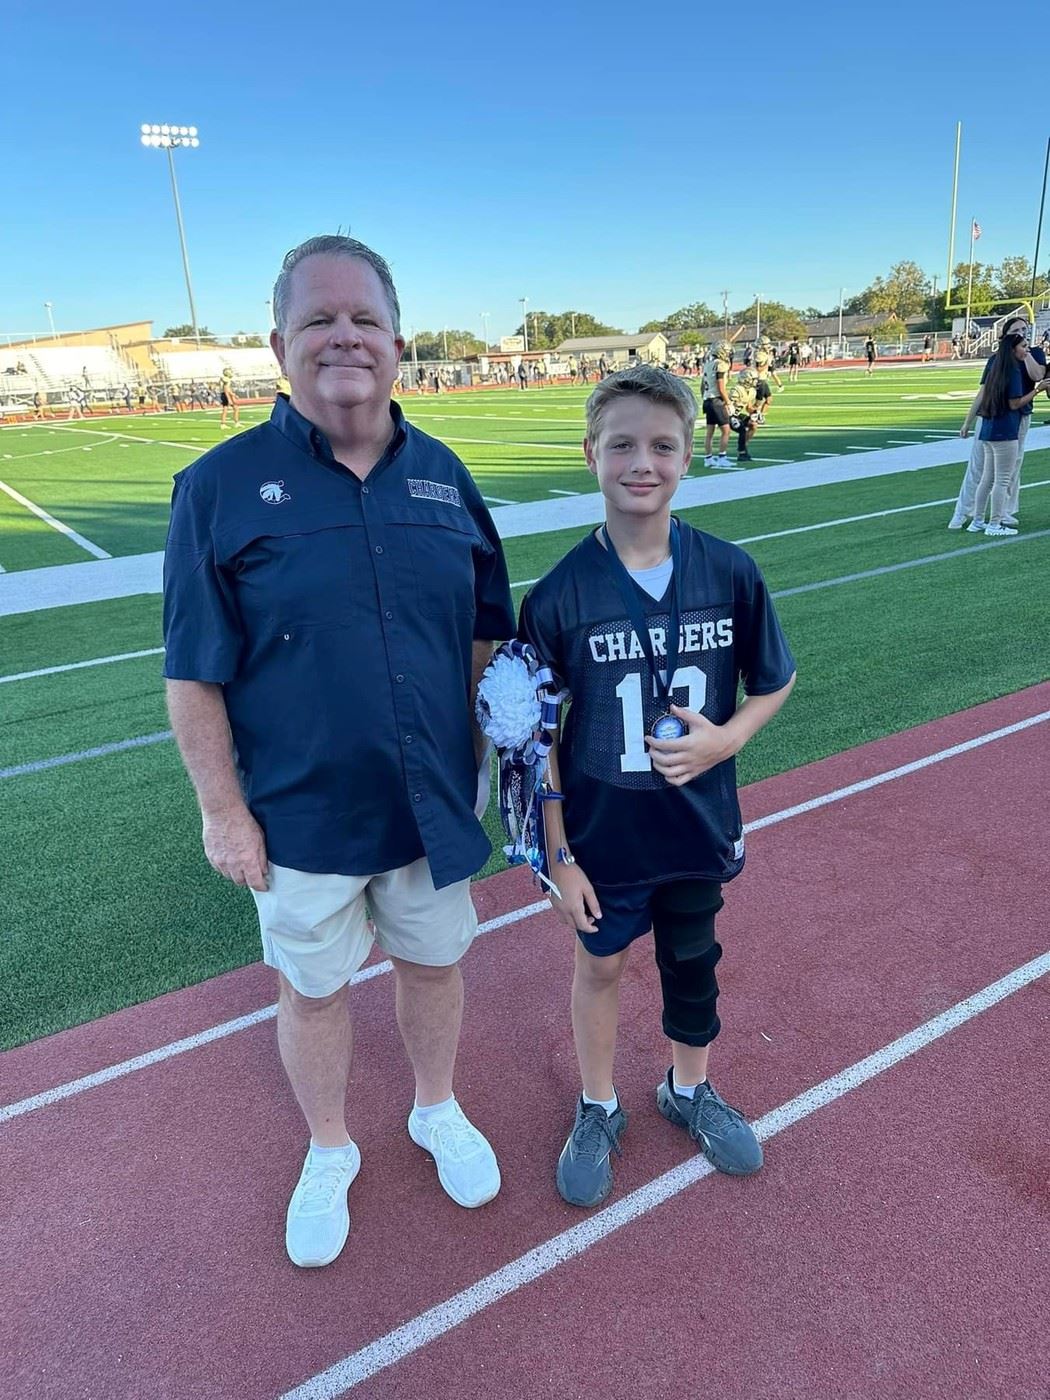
pixel 647 382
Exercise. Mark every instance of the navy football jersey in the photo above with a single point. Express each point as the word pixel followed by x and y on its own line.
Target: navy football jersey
pixel 626 824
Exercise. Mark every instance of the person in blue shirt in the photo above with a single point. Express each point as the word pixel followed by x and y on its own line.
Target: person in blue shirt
pixel 1006 395
pixel 1034 367
pixel 651 625
pixel 333 588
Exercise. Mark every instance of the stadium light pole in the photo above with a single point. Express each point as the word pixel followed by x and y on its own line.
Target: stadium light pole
pixel 485 328
pixel 50 319
pixel 525 321
pixel 842 295
pixel 1039 230
pixel 758 315
pixel 168 138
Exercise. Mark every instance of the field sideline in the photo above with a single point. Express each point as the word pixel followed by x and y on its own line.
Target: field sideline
pixel 894 622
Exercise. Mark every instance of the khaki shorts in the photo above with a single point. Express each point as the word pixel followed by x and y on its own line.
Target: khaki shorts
pixel 315 928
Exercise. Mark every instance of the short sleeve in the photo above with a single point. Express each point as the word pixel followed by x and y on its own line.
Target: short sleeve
pixel 763 655
pixel 202 634
pixel 494 607
pixel 537 627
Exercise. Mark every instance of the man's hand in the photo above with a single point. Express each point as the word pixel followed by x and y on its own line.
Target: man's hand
pixel 236 848
pixel 577 904
pixel 682 760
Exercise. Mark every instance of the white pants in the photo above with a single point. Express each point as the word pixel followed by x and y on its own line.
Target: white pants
pixel 975 470
pixel 997 479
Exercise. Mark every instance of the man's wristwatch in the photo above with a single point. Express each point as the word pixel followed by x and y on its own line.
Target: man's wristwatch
pixel 565 856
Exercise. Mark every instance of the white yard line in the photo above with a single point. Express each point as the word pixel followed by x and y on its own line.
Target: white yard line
pixel 498 501
pixel 80 665
pixel 179 1047
pixel 500 442
pixel 557 491
pixel 428 1326
pixel 66 530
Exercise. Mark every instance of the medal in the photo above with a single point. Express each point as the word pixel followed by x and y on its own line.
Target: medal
pixel 669 727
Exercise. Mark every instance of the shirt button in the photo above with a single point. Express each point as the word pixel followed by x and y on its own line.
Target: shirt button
pixel 400 680
pixel 417 797
pixel 388 614
pixel 379 549
pixel 364 490
pixel 408 738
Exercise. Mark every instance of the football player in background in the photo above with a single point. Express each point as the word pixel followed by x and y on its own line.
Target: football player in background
pixel 743 399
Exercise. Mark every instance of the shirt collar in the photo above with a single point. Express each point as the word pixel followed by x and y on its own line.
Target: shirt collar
pixel 291 424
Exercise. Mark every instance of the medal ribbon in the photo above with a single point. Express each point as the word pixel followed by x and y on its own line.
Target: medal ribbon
pixel 631 601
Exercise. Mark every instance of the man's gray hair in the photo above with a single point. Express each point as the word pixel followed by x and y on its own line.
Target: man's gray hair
pixel 334 244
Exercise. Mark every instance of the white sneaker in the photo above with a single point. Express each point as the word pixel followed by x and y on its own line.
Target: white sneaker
pixel 710 461
pixel 975 527
pixel 957 521
pixel 999 530
pixel 723 464
pixel 318 1219
pixel 466 1164
pixel 1010 520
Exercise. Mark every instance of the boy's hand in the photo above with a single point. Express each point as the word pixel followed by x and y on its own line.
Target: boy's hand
pixel 577 904
pixel 682 760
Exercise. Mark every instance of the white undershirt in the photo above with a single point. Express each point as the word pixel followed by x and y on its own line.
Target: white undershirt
pixel 654 580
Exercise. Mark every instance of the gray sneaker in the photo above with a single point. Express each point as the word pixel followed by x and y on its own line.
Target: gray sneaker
pixel 724 1136
pixel 584 1170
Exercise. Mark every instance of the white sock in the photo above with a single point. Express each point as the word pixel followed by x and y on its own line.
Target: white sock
pixel 435 1110
pixel 610 1105
pixel 685 1091
pixel 316 1151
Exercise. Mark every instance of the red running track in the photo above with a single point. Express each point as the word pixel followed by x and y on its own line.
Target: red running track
pixel 896 1244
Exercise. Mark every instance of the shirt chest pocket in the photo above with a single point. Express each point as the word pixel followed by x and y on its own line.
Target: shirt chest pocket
pixel 438 546
pixel 297 571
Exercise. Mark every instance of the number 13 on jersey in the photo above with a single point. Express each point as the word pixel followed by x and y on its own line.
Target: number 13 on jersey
pixel 635 757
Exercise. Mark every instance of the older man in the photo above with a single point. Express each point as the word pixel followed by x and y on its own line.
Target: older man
pixel 333 585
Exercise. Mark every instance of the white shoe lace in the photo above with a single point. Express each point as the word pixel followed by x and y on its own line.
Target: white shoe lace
pixel 319 1188
pixel 456 1137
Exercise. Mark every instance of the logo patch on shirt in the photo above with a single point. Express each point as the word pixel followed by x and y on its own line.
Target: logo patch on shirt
pixel 738 849
pixel 433 491
pixel 273 492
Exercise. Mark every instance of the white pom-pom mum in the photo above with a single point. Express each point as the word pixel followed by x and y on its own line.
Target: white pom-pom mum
pixel 508 707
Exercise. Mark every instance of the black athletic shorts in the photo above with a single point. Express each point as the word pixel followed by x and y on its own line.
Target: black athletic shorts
pixel 715 413
pixel 224 399
pixel 762 390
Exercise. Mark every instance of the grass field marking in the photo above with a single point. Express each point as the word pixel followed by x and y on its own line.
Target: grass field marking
pixel 66 530
pixel 560 491
pixel 56 451
pixel 428 1326
pixel 80 665
pixel 498 501
pixel 904 564
pixel 39 765
pixel 528 446
pixel 817 454
pixel 132 437
pixel 422 418
pixel 178 1047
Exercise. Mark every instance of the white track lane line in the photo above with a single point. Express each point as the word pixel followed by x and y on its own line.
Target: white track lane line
pixel 427 1327
pixel 66 530
pixel 179 1047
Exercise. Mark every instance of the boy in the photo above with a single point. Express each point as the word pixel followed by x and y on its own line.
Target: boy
pixel 644 614
pixel 743 399
pixel 715 400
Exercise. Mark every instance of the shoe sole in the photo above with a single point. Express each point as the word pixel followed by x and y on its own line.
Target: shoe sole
pixel 670 1112
pixel 452 1195
pixel 331 1258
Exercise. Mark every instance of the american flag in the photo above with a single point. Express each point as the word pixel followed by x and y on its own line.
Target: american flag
pixel 976 230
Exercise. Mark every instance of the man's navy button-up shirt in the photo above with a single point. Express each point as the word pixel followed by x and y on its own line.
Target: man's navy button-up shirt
pixel 338 615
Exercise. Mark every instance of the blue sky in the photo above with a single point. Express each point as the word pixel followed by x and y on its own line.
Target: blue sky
pixel 615 158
